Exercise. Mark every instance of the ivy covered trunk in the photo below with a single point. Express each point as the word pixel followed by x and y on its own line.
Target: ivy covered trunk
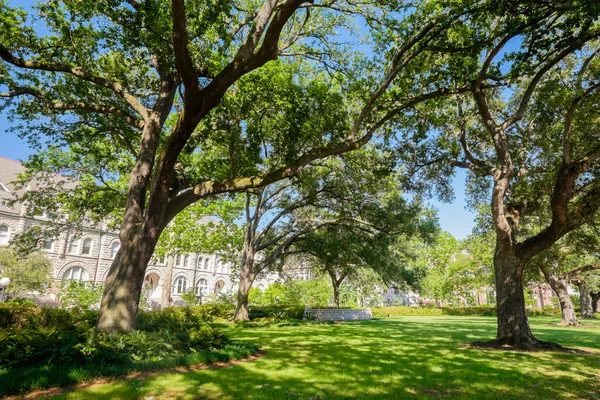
pixel 513 326
pixel 566 305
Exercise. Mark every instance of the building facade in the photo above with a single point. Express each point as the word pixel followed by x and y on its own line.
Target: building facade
pixel 86 255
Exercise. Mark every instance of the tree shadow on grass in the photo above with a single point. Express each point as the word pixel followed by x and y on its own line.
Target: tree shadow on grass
pixel 386 359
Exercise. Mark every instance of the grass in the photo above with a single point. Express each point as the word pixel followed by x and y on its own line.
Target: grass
pixel 408 357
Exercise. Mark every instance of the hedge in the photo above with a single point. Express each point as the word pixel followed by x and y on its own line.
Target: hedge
pixel 394 311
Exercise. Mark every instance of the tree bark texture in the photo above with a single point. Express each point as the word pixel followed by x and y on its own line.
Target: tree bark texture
pixel 123 287
pixel 165 300
pixel 566 305
pixel 246 279
pixel 595 303
pixel 513 326
pixel 585 301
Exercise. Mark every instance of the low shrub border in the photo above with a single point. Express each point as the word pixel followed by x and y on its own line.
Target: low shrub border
pixel 394 311
pixel 22 380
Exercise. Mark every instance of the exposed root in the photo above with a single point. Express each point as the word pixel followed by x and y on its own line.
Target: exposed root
pixel 569 323
pixel 533 345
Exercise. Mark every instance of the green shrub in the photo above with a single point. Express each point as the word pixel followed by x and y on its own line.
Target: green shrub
pixel 34 336
pixel 380 312
pixel 293 312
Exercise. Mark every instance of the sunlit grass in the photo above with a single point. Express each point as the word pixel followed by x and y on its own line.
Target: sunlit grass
pixel 409 357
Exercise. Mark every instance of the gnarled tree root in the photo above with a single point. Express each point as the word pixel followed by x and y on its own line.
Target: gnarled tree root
pixel 528 345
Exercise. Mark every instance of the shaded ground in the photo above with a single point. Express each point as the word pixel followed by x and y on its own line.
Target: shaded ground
pixel 408 357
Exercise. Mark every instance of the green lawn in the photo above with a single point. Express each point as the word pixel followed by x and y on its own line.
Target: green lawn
pixel 409 357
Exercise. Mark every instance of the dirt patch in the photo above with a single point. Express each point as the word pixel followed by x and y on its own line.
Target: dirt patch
pixel 44 393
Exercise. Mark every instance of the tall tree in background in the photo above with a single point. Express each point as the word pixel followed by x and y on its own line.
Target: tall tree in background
pixel 332 192
pixel 537 150
pixel 151 106
pixel 567 262
pixel 206 227
pixel 367 240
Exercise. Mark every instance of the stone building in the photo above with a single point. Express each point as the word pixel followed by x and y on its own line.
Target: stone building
pixel 86 255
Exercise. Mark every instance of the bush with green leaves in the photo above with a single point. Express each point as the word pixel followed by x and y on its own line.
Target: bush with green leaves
pixel 30 272
pixel 314 292
pixel 83 295
pixel 41 336
pixel 394 311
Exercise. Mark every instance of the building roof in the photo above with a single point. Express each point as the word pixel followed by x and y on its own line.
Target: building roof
pixel 9 171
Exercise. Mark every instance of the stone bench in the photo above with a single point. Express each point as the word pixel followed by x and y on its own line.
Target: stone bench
pixel 337 314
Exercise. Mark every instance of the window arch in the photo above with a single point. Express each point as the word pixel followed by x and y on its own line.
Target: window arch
pixel 74 246
pixel 4 234
pixel 180 285
pixel 185 260
pixel 202 287
pixel 178 260
pixel 199 263
pixel 206 264
pixel 87 246
pixel 219 286
pixel 261 287
pixel 76 274
pixel 114 248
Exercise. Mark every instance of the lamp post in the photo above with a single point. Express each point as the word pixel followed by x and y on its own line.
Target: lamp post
pixel 4 282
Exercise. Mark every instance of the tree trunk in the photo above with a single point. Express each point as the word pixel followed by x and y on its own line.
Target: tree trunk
pixel 123 286
pixel 559 285
pixel 246 280
pixel 513 326
pixel 595 305
pixel 165 300
pixel 335 282
pixel 585 301
pixel 336 296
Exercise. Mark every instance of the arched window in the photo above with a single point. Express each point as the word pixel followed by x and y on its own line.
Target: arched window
pixel 219 286
pixel 199 264
pixel 261 287
pixel 76 274
pixel 4 234
pixel 185 261
pixel 178 260
pixel 74 246
pixel 87 246
pixel 180 285
pixel 114 248
pixel 206 264
pixel 202 287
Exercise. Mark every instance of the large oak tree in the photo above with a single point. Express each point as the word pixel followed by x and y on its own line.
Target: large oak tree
pixel 138 101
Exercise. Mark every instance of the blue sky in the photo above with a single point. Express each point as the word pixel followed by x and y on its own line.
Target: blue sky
pixel 453 217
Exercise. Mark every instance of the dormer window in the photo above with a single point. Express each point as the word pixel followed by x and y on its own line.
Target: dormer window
pixel 7 203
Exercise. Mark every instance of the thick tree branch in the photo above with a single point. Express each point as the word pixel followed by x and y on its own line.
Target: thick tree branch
pixel 78 105
pixel 80 73
pixel 581 270
pixel 183 60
